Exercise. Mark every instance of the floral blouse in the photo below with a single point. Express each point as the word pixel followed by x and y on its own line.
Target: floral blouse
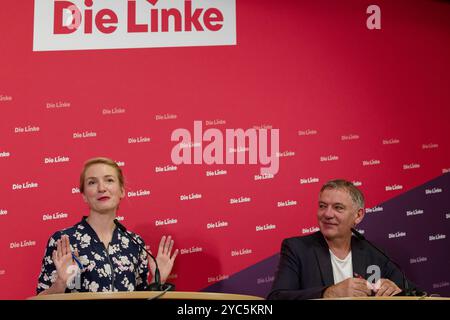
pixel 122 266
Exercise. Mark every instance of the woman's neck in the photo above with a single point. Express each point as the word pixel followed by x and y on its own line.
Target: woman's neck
pixel 103 225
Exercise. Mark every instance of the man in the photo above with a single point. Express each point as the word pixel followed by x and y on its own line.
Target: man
pixel 331 263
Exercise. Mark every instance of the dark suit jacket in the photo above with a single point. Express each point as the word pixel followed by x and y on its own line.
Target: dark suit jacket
pixel 305 270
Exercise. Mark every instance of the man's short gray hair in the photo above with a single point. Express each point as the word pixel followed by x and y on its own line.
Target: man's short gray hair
pixel 356 194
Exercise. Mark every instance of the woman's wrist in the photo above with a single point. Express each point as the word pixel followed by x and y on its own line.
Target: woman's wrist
pixel 59 285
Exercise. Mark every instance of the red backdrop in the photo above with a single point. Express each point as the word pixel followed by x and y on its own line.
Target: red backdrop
pixel 373 103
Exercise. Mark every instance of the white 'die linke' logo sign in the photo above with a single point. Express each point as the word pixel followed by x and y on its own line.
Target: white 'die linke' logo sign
pixel 107 24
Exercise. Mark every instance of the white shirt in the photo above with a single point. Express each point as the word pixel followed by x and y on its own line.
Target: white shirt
pixel 342 268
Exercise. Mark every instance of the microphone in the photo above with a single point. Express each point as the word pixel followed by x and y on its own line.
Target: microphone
pixel 156 286
pixel 406 291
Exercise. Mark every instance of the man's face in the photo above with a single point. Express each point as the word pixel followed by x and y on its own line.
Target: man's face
pixel 337 213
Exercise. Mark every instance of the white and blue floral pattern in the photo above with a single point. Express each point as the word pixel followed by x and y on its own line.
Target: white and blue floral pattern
pixel 123 266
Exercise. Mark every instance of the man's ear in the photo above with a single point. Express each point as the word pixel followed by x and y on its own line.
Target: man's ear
pixel 359 215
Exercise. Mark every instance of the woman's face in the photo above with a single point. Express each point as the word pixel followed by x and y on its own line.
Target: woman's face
pixel 102 190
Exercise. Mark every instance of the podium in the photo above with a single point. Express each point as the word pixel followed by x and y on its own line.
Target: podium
pixel 186 295
pixel 145 295
pixel 395 298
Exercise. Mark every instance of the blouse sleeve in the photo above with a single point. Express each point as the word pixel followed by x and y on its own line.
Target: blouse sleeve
pixel 48 269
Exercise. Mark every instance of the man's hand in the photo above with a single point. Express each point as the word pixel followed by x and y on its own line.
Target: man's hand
pixel 385 288
pixel 351 287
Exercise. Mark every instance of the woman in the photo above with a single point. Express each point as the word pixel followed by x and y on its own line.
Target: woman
pixel 94 255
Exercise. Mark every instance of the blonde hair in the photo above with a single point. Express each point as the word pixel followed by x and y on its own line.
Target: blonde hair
pixel 100 160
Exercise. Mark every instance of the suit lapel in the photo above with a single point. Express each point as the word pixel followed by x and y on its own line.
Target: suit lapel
pixel 324 261
pixel 358 258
